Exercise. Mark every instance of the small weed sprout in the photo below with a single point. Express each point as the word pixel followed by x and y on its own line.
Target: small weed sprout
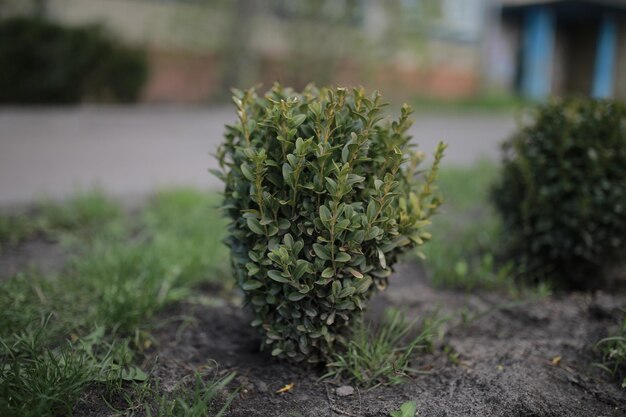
pixel 613 351
pixel 408 409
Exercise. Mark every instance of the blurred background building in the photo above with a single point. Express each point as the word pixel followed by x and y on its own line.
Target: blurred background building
pixel 562 47
pixel 197 49
pixel 436 54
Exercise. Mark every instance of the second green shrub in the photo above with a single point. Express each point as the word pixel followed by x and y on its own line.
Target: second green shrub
pixel 562 193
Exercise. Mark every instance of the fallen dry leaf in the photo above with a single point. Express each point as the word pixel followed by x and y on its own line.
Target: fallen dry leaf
pixel 286 388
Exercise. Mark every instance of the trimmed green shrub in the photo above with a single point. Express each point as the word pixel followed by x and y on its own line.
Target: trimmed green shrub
pixel 322 198
pixel 43 62
pixel 562 194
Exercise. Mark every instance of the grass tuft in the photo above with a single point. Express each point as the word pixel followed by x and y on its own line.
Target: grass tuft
pixel 382 355
pixel 14 229
pixel 613 350
pixel 86 212
pixel 78 218
pixel 39 379
pixel 202 399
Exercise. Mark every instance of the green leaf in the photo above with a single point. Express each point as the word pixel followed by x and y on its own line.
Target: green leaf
pixel 300 269
pixel 364 285
pixel 371 211
pixel 408 409
pixel 345 305
pixel 252 268
pixel 336 288
pixel 133 373
pixel 251 284
pixel 288 173
pixel 325 214
pixel 255 225
pixel 219 174
pixel 381 258
pixel 276 276
pixel 321 251
pixel 355 273
pixel 345 153
pixel 342 257
pixel 247 172
pixel 298 120
pixel 328 272
pixel 331 185
pixel 295 296
pixel 346 292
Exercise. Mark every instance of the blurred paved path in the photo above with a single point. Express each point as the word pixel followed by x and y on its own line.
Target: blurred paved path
pixel 130 151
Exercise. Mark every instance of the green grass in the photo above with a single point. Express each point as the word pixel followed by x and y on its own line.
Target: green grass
pixel 613 351
pixel 466 251
pixel 82 216
pixel 463 252
pixel 382 355
pixel 14 229
pixel 63 332
pixel 199 400
pixel 492 102
pixel 84 212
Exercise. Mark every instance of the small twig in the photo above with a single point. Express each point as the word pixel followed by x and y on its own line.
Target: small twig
pixel 358 391
pixel 330 403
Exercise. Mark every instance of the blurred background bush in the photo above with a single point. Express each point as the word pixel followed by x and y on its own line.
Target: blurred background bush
pixel 562 192
pixel 44 62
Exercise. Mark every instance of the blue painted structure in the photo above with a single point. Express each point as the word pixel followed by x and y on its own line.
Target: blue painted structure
pixel 604 71
pixel 587 56
pixel 538 51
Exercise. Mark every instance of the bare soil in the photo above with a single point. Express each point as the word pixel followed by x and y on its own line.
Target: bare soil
pixel 37 253
pixel 505 362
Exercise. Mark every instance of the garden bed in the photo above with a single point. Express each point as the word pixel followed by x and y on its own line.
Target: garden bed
pixel 499 353
pixel 502 361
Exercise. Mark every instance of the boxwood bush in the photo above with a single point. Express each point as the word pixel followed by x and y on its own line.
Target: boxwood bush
pixel 43 62
pixel 322 197
pixel 562 193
